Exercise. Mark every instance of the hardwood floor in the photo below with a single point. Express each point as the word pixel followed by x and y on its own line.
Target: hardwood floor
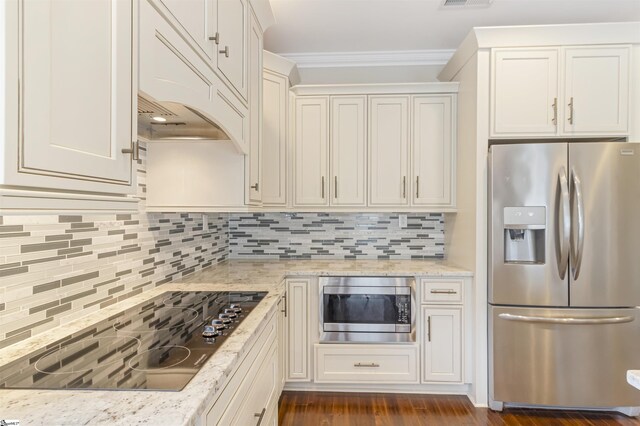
pixel 351 409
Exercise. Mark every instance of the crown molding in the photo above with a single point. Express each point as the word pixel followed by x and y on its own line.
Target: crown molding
pixel 370 59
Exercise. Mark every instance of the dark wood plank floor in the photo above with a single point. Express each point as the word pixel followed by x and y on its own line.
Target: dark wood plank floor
pixel 365 409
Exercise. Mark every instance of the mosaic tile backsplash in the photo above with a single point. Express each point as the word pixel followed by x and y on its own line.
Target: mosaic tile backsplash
pixel 54 269
pixel 335 236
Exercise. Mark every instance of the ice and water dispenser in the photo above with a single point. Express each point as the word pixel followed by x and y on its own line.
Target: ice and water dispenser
pixel 524 234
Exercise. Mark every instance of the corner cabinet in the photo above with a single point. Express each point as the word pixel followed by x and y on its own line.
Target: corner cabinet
pixel 384 151
pixel 560 91
pixel 55 136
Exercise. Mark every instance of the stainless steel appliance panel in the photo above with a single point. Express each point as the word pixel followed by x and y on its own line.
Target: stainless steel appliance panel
pixel 528 255
pixel 605 233
pixel 564 357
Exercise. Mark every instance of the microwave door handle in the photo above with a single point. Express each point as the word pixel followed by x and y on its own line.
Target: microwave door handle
pixel 577 240
pixel 563 220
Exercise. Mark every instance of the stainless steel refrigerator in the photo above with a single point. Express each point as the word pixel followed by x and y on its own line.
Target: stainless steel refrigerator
pixel 564 274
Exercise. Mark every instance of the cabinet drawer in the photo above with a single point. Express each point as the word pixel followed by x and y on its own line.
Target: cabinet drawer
pixel 442 291
pixel 366 364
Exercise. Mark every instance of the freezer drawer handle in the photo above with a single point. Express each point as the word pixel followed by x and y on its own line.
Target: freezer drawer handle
pixel 564 320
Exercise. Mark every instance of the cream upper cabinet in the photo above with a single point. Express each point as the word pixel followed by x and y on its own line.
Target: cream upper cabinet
pixel 432 150
pixel 560 91
pixel 524 95
pixel 198 19
pixel 232 17
pixel 75 96
pixel 274 139
pixel 596 90
pixel 348 150
pixel 388 150
pixel 255 113
pixel 311 152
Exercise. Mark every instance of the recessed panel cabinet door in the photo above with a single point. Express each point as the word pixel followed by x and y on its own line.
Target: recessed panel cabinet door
pixel 312 152
pixel 197 18
pixel 388 150
pixel 298 330
pixel 348 150
pixel 432 150
pixel 596 90
pixel 232 29
pixel 76 90
pixel 442 348
pixel 274 139
pixel 255 112
pixel 524 93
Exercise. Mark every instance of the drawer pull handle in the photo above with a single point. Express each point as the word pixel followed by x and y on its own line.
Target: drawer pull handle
pixel 372 364
pixel 443 292
pixel 259 415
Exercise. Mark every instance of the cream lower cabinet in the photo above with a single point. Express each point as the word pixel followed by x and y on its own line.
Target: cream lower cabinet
pixel 298 335
pixel 388 150
pixel 70 105
pixel 560 91
pixel 251 394
pixel 442 344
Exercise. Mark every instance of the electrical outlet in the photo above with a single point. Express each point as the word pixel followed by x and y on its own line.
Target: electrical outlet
pixel 205 223
pixel 402 221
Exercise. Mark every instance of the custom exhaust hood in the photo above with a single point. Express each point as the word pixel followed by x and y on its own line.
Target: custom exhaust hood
pixel 175 121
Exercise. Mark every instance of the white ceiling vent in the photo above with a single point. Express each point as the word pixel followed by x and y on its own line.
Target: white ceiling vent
pixel 466 3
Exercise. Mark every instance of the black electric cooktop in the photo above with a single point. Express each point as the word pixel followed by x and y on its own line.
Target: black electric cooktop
pixel 157 345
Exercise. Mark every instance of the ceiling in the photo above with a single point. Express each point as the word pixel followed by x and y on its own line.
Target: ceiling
pixel 310 26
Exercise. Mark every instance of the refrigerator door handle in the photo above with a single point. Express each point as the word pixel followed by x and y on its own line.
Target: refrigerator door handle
pixel 577 245
pixel 566 320
pixel 564 223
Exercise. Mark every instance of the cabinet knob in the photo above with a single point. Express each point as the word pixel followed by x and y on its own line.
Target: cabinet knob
pixel 225 51
pixel 215 38
pixel 254 187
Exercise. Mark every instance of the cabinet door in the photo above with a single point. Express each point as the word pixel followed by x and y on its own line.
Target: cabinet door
pixel 198 19
pixel 348 150
pixel 524 94
pixel 596 90
pixel 282 341
pixel 255 112
pixel 442 348
pixel 263 391
pixel 432 150
pixel 232 46
pixel 298 330
pixel 311 146
pixel 76 91
pixel 388 150
pixel 274 139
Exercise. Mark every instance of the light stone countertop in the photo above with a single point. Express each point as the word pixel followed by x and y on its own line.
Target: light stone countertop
pixel 74 407
pixel 633 377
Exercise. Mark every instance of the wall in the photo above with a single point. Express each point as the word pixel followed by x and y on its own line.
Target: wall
pixel 336 236
pixel 54 269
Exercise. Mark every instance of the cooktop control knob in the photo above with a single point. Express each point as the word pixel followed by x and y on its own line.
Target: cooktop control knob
pixel 236 308
pixel 218 324
pixel 225 318
pixel 231 312
pixel 209 331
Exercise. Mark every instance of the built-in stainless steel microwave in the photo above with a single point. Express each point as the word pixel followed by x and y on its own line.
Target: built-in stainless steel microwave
pixel 367 309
